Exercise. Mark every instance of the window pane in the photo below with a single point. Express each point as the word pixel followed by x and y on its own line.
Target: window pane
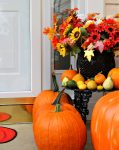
pixel 61 63
pixel 59 6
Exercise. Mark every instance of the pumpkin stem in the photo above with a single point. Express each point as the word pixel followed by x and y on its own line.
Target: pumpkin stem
pixel 57 100
pixel 55 85
pixel 58 108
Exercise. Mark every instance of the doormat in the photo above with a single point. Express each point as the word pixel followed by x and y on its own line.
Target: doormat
pixel 7 134
pixel 4 116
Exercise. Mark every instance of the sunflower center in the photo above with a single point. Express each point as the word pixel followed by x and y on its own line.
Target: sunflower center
pixel 76 35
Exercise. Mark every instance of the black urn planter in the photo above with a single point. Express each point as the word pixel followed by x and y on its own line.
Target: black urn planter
pixel 101 62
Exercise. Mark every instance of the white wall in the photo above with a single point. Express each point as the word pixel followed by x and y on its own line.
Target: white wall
pixel 92 6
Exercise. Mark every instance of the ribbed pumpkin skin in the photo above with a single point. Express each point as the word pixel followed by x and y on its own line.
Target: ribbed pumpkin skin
pixel 48 97
pixel 114 73
pixel 105 123
pixel 44 98
pixel 63 130
pixel 50 108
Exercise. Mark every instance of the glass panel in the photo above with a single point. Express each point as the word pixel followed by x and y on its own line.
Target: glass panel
pixel 61 63
pixel 59 6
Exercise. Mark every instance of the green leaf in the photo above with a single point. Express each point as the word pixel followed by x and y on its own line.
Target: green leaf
pixel 76 49
pixel 83 31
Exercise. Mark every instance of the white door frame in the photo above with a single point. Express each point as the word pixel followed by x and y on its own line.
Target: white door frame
pixel 46 45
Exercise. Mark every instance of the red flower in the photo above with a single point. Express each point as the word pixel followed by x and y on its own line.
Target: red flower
pixel 100 27
pixel 110 21
pixel 95 37
pixel 55 40
pixel 114 37
pixel 117 36
pixel 78 24
pixel 107 44
pixel 91 28
pixel 109 29
pixel 86 43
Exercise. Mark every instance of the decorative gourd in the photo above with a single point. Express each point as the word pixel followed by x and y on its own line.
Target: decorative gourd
pixel 114 73
pixel 68 73
pixel 105 123
pixel 71 84
pixel 59 127
pixel 108 84
pixel 78 77
pixel 99 78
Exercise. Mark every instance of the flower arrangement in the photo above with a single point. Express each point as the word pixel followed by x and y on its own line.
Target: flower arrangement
pixel 75 35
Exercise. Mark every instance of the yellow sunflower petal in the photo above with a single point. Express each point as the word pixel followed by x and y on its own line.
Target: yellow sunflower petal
pixel 74 36
pixel 62 52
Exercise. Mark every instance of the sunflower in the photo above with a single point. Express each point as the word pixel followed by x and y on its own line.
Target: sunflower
pixel 67 29
pixel 61 49
pixel 75 35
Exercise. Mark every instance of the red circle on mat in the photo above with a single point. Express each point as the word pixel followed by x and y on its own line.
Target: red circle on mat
pixel 4 116
pixel 7 134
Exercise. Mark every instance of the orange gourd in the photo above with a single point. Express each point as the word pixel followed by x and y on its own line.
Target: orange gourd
pixel 59 127
pixel 78 77
pixel 68 73
pixel 114 73
pixel 105 123
pixel 99 78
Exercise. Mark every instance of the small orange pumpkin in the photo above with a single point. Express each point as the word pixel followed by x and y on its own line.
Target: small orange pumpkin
pixel 114 73
pixel 78 77
pixel 105 123
pixel 99 78
pixel 28 103
pixel 29 108
pixel 68 73
pixel 53 125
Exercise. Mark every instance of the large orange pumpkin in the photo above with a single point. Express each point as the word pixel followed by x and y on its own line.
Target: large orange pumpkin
pixel 48 97
pixel 114 73
pixel 45 98
pixel 105 123
pixel 60 127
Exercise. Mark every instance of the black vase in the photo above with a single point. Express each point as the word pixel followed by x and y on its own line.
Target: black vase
pixel 101 62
